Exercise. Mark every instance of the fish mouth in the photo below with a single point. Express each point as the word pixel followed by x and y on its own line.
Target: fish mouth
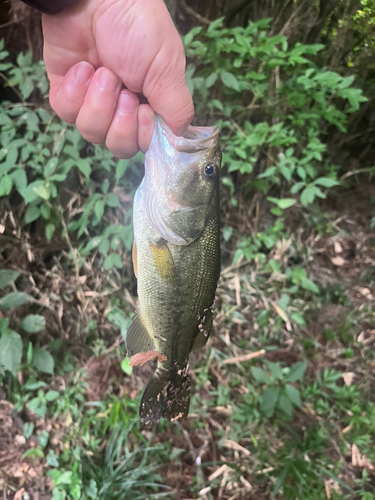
pixel 195 138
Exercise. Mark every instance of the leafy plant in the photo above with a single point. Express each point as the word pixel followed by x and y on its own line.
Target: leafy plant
pixel 280 394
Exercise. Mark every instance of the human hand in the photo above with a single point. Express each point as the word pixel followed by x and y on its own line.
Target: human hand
pixel 94 47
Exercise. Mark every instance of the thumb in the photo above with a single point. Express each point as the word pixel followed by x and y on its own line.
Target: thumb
pixel 166 89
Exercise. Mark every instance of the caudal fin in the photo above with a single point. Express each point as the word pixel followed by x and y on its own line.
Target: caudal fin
pixel 167 395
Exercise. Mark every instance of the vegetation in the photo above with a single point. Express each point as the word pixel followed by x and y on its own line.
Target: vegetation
pixel 283 400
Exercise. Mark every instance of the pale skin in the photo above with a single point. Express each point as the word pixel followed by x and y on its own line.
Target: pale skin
pixel 100 54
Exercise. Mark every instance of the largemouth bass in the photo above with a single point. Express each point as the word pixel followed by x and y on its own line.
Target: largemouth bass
pixel 176 256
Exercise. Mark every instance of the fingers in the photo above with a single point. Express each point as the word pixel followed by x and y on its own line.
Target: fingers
pixel 101 112
pixel 97 110
pixel 122 136
pixel 67 93
pixel 145 126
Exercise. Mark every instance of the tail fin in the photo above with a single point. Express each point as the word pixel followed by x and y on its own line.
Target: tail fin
pixel 167 395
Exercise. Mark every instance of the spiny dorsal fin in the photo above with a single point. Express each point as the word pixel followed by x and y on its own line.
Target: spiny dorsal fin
pixel 163 260
pixel 137 337
pixel 134 256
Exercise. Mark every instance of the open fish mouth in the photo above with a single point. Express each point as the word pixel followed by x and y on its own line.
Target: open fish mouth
pixel 195 138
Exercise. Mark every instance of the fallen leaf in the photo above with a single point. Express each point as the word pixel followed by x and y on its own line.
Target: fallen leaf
pixel 331 485
pixel 348 378
pixel 19 494
pixel 359 460
pixel 338 261
pixel 142 357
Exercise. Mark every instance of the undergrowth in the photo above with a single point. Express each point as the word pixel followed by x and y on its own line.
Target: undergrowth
pixel 283 396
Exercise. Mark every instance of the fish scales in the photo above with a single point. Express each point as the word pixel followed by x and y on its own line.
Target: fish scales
pixel 177 255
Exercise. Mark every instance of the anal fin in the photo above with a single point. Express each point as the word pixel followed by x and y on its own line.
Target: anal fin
pixel 138 338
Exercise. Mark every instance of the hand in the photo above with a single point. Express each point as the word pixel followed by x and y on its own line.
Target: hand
pixel 94 47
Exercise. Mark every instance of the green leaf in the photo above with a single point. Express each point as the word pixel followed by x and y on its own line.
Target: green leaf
pixel 11 351
pixel 268 400
pixel 227 232
pixel 113 201
pixel 259 374
pixel 19 178
pixel 296 372
pixel 43 438
pixel 43 361
pixel 104 246
pixel 113 260
pixel 42 191
pixel 285 404
pixel 84 167
pixel 99 209
pixel 283 203
pixel 293 395
pixel 50 229
pixel 33 323
pixel 65 478
pixel 307 196
pixel 45 211
pixel 125 366
pixel 6 184
pixel 52 395
pixel 32 214
pixel 310 286
pixel 229 80
pixel 121 167
pixel 7 277
pixel 275 370
pixel 28 429
pixel 210 80
pixel 326 182
pixel 15 299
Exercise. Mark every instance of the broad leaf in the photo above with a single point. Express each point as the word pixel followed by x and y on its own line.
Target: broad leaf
pixel 7 277
pixel 15 299
pixel 43 361
pixel 33 323
pixel 11 351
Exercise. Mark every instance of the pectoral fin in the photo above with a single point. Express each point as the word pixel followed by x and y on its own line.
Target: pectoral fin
pixel 134 256
pixel 138 338
pixel 163 260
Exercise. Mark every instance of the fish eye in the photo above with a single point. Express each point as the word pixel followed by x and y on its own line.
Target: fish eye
pixel 210 170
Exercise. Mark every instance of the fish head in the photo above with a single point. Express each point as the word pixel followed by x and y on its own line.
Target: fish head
pixel 181 181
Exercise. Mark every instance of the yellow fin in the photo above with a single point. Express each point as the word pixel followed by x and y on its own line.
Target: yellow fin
pixel 134 256
pixel 163 260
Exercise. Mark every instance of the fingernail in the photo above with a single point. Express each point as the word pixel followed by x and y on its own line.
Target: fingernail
pixel 127 103
pixel 108 80
pixel 83 72
pixel 144 118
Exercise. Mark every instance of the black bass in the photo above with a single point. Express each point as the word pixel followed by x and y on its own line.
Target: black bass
pixel 176 256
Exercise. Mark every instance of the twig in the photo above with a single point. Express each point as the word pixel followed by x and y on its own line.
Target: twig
pixel 6 80
pixel 197 460
pixel 192 12
pixel 244 357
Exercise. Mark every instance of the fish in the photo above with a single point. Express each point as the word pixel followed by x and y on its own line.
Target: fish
pixel 176 259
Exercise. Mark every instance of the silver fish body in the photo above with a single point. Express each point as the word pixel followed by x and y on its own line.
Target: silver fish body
pixel 177 256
